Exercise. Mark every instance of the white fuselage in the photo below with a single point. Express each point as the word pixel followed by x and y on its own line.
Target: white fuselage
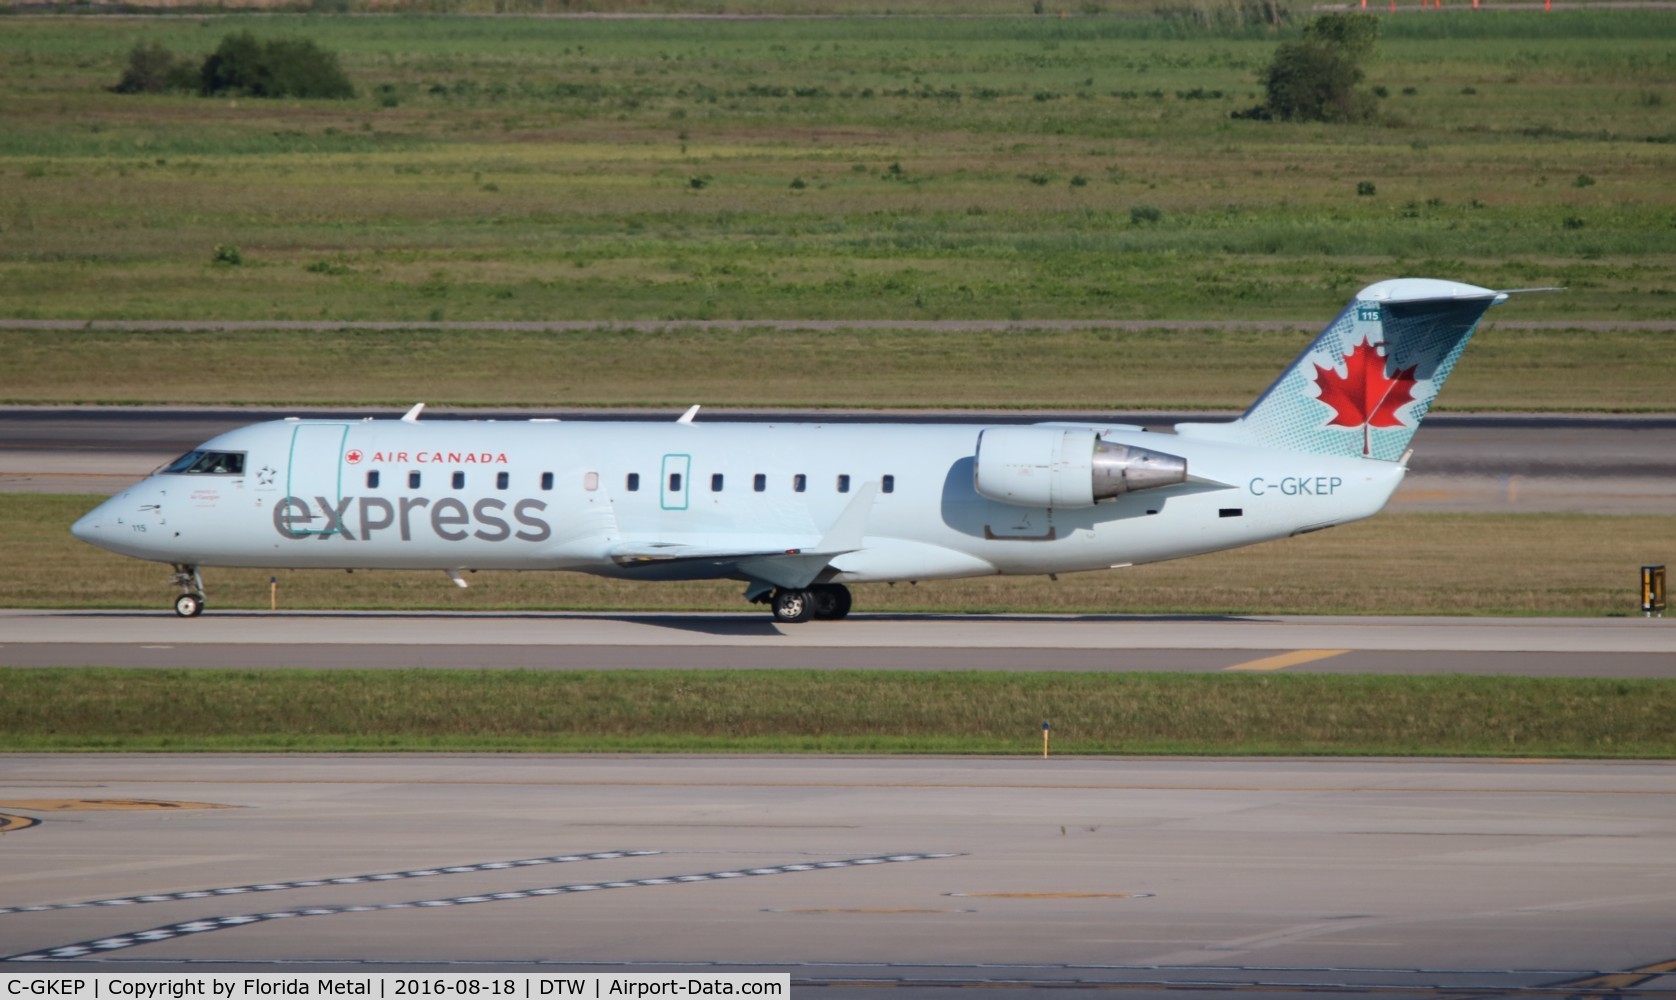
pixel 545 495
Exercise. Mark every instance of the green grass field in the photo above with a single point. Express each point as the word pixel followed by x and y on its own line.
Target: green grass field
pixel 1458 564
pixel 829 712
pixel 1509 369
pixel 882 168
pixel 1001 168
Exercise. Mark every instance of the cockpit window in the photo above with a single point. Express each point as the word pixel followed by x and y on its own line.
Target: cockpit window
pixel 224 463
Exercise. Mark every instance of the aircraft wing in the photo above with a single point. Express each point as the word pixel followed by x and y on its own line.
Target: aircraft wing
pixel 790 567
pixel 787 562
pixel 648 553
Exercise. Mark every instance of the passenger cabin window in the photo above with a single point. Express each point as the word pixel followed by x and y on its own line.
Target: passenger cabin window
pixel 843 484
pixel 413 480
pixel 372 479
pixel 799 483
pixel 503 480
pixel 633 482
pixel 759 482
pixel 459 480
pixel 715 482
pixel 887 484
pixel 590 482
pixel 212 463
pixel 547 481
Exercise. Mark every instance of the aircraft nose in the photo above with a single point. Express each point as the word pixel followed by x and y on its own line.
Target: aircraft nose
pixel 86 527
pixel 125 524
pixel 97 526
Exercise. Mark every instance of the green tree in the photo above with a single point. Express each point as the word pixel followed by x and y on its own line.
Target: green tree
pixel 235 67
pixel 299 68
pixel 279 68
pixel 1315 77
pixel 153 69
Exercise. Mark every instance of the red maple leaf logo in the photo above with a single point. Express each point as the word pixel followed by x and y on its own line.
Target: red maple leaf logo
pixel 353 456
pixel 1364 396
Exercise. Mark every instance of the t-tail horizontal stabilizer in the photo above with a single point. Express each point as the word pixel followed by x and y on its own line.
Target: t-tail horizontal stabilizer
pixel 1363 386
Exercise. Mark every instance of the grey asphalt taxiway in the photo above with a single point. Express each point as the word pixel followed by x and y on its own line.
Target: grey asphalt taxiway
pixel 1435 878
pixel 1610 647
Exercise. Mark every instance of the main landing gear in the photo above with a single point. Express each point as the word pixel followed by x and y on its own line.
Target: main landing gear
pixel 820 600
pixel 190 603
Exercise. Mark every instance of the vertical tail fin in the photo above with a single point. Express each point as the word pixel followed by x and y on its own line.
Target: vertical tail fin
pixel 1362 387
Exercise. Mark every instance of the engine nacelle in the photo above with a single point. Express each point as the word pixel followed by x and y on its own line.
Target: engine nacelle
pixel 1065 467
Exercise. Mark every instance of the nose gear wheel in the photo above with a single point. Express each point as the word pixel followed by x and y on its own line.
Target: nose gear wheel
pixel 190 603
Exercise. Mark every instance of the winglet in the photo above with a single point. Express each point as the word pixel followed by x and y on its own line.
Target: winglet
pixel 687 417
pixel 412 416
pixel 849 530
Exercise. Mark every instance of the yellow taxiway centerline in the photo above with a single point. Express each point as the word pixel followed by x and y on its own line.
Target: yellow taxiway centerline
pixel 1281 661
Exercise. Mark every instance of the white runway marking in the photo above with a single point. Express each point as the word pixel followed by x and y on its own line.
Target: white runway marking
pixel 234 890
pixel 104 945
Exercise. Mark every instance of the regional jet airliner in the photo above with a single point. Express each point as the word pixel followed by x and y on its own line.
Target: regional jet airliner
pixel 798 511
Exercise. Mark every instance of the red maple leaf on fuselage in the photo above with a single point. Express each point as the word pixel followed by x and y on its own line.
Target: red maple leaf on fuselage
pixel 1364 396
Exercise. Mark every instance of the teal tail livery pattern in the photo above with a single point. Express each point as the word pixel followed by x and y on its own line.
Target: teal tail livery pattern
pixel 1363 386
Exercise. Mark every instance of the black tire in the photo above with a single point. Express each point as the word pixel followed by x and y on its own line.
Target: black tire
pixel 832 600
pixel 792 606
pixel 189 605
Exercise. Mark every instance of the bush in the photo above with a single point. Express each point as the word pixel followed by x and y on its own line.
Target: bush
pixel 235 66
pixel 1310 81
pixel 1145 215
pixel 1315 78
pixel 279 68
pixel 153 69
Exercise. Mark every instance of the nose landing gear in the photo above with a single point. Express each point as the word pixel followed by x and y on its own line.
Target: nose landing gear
pixel 190 603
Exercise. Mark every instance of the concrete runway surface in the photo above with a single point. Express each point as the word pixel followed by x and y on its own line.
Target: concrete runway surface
pixel 1605 464
pixel 1606 647
pixel 1267 877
